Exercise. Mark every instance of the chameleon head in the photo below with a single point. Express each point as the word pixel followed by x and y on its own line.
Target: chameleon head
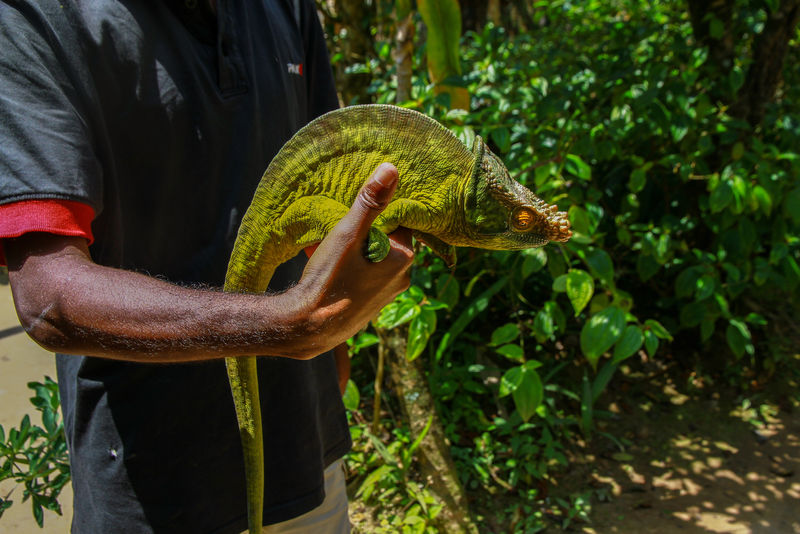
pixel 502 214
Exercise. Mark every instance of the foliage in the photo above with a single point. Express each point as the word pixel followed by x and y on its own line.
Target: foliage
pixel 443 20
pixel 385 478
pixel 685 218
pixel 35 456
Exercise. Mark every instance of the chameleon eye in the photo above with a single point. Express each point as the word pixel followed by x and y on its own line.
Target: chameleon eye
pixel 522 219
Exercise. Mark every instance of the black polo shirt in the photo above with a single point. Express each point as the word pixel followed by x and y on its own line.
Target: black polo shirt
pixel 162 117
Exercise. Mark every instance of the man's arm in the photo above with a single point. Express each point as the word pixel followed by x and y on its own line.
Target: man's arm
pixel 69 304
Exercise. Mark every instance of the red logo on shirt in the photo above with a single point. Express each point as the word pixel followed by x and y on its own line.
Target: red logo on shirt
pixel 295 68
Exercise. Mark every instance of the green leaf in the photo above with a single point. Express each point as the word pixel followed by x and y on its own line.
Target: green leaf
pixel 502 138
pixel 513 352
pixel 529 393
pixel 579 219
pixel 678 130
pixel 705 287
pixel 658 329
pixel 686 282
pixel 577 167
pixel 601 265
pixel 473 309
pixel 650 342
pixel 637 180
pixel 38 514
pixel 646 266
pixel 417 441
pixel 419 331
pixel 736 80
pixel 602 379
pixel 504 334
pixel 707 327
pixel 387 455
pixel 49 420
pixel 662 248
pixel 556 263
pixel 400 311
pixel 448 290
pixel 631 340
pixel 739 339
pixel 543 324
pixel 600 333
pixel 580 288
pixel 351 397
pixel 364 340
pixel 721 196
pixel 535 260
pixel 510 381
pixel 752 318
pixel 416 293
pixel 763 199
pixel 560 283
pixel 368 486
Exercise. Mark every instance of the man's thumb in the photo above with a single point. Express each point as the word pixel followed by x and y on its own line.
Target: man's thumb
pixel 373 197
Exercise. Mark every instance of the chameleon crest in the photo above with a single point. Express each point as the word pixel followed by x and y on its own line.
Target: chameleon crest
pixel 448 194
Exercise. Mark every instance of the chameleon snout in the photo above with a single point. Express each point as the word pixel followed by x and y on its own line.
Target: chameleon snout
pixel 558 225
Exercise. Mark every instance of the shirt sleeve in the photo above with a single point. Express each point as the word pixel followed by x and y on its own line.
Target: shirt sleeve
pixel 48 109
pixel 60 217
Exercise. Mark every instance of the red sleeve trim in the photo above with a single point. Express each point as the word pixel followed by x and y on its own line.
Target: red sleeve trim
pixel 60 217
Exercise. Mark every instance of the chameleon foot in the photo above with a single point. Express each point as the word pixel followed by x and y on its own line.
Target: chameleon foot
pixel 377 246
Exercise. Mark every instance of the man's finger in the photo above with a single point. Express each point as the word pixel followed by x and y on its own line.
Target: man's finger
pixel 372 199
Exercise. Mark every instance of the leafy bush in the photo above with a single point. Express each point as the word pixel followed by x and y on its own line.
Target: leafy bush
pixel 35 456
pixel 685 217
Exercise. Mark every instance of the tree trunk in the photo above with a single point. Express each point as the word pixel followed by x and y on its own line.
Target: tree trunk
pixel 766 70
pixel 720 46
pixel 438 468
pixel 713 25
pixel 403 55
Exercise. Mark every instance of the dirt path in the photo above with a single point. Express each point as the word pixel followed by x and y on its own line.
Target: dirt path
pixel 698 464
pixel 23 361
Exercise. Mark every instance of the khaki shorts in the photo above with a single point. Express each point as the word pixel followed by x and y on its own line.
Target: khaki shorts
pixel 330 517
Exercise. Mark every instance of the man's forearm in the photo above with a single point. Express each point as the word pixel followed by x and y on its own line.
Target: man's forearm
pixel 74 306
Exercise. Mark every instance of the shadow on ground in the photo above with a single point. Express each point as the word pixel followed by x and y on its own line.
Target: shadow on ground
pixel 697 463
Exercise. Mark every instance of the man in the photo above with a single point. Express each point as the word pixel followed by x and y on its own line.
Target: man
pixel 133 134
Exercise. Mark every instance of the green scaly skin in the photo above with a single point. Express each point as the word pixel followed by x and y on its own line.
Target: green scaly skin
pixel 447 194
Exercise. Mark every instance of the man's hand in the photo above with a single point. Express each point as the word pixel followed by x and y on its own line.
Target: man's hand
pixel 341 291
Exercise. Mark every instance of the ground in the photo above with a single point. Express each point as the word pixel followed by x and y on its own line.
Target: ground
pixel 696 463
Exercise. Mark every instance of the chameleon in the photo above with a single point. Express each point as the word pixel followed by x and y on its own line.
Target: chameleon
pixel 448 194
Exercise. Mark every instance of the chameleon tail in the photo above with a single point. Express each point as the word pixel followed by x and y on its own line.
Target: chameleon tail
pixel 243 377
